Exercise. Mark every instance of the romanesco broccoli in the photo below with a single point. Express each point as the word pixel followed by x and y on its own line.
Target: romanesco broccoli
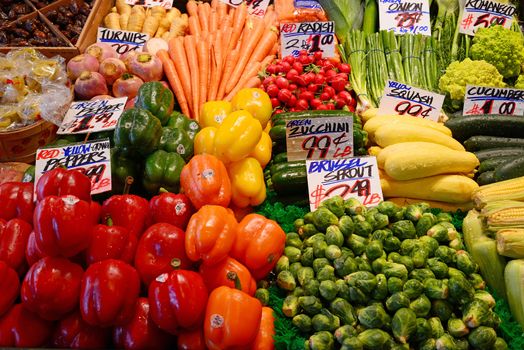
pixel 519 84
pixel 501 47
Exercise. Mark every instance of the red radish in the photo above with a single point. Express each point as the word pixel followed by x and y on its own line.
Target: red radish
pixel 272 90
pixel 127 85
pixel 315 102
pixel 302 105
pixel 80 63
pixel 154 45
pixel 292 101
pixel 101 51
pixel 112 69
pixel 284 95
pixel 275 102
pixel 90 84
pixel 146 66
pixel 101 97
pixel 282 83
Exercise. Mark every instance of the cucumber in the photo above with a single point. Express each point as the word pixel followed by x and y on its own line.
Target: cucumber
pixel 492 163
pixel 275 168
pixel 476 143
pixel 510 170
pixel 278 133
pixel 290 181
pixel 280 157
pixel 487 177
pixel 489 125
pixel 498 152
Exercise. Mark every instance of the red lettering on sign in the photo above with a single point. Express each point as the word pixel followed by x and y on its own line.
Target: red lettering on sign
pixel 47 154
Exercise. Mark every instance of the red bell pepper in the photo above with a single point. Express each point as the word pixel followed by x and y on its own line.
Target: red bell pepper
pixel 178 300
pixel 22 328
pixel 63 225
pixel 33 253
pixel 108 293
pixel 174 209
pixel 51 287
pixel 9 285
pixel 158 246
pixel 62 182
pixel 191 340
pixel 17 201
pixel 141 332
pixel 110 242
pixel 129 211
pixel 74 333
pixel 14 235
pixel 228 272
pixel 266 331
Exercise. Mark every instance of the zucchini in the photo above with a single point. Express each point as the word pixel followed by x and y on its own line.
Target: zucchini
pixel 275 168
pixel 280 157
pixel 314 114
pixel 479 142
pixel 492 163
pixel 278 133
pixel 486 177
pixel 489 125
pixel 499 152
pixel 510 170
pixel 290 181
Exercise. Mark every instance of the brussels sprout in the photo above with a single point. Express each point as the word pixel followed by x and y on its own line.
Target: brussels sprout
pixel 282 264
pixel 462 344
pixel 436 289
pixel 381 221
pixel 333 252
pixel 322 340
pixel 374 250
pixel 465 262
pixel 358 218
pixel 319 249
pixel 290 306
pixel 404 325
pixel 344 332
pixel 302 322
pixel 307 257
pixel 326 273
pixel 378 265
pixel 293 239
pixel 325 321
pixel 334 236
pixel 437 330
pixel 413 288
pixel 305 274
pixel 423 331
pixel 493 320
pixel 460 290
pixel 395 284
pixel 439 232
pixel 381 290
pixel 421 274
pixel 294 267
pixel 421 306
pixel 298 223
pixel 419 255
pixel 363 264
pixel 476 313
pixel 441 309
pixel 370 218
pixel 477 281
pixel 358 296
pixel 346 226
pixel 407 262
pixel 394 257
pixel 426 221
pixel 352 343
pixel 308 217
pixel 286 281
pixel 335 205
pixel 311 288
pixel 323 217
pixel 328 290
pixel 441 217
pixel 482 338
pixel 457 244
pixel 500 344
pixel 413 212
pixel 429 344
pixel 357 244
pixel 388 208
pixel 310 304
pixel 395 270
pixel 293 254
pixel 262 294
pixel 308 242
pixel 453 272
pixel 381 234
pixel 352 206
pixel 307 231
pixel 485 296
pixel 407 246
pixel 439 269
pixel 343 309
pixel 404 229
pixel 373 316
pixel 397 301
pixel 343 289
pixel 319 263
pixel 446 342
pixel 298 292
pixel 391 244
pixel 363 229
pixel 430 243
pixel 345 265
pixel 374 338
pixel 399 215
pixel 364 280
pixel 457 327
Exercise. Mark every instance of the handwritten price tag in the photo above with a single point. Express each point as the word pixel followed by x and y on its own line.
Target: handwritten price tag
pixel 167 4
pixel 254 7
pixel 309 36
pixel 319 138
pixel 349 178
pixel 122 40
pixel 92 158
pixel 405 16
pixel 493 100
pixel 92 116
pixel 484 13
pixel 403 99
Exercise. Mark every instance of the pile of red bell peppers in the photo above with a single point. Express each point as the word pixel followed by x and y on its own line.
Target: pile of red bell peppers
pixel 131 273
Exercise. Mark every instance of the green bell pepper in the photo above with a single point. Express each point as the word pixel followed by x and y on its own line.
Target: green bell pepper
pixel 177 140
pixel 121 168
pixel 180 121
pixel 157 99
pixel 162 169
pixel 29 174
pixel 137 131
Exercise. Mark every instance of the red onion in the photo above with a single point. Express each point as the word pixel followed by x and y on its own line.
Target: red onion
pixel 80 63
pixel 101 97
pixel 90 84
pixel 112 69
pixel 146 66
pixel 101 51
pixel 127 85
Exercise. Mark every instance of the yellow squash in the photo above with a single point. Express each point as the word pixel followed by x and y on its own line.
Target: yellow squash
pixel 373 124
pixel 405 147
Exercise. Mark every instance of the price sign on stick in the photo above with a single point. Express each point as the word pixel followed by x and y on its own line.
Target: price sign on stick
pixel 408 100
pixel 319 138
pixel 493 100
pixel 485 13
pixel 405 16
pixel 122 40
pixel 167 4
pixel 309 36
pixel 349 178
pixel 254 7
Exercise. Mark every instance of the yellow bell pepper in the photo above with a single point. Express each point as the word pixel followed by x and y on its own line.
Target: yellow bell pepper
pixel 214 112
pixel 262 151
pixel 247 182
pixel 205 141
pixel 256 101
pixel 237 136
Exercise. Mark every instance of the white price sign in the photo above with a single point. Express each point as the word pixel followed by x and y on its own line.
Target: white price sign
pixel 405 16
pixel 254 7
pixel 309 36
pixel 349 178
pixel 122 40
pixel 403 99
pixel 493 100
pixel 485 13
pixel 167 4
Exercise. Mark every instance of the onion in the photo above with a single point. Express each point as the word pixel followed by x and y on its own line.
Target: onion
pixel 101 97
pixel 112 69
pixel 101 51
pixel 146 66
pixel 80 63
pixel 127 85
pixel 90 84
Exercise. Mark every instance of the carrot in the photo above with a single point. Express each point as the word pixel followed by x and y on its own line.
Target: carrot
pixel 275 48
pixel 264 47
pixel 192 60
pixel 203 65
pixel 268 16
pixel 222 9
pixel 214 4
pixel 239 19
pixel 231 60
pixel 194 25
pixel 226 35
pixel 266 61
pixel 202 17
pixel 178 56
pixel 216 67
pixel 174 80
pixel 213 21
pixel 226 21
pixel 250 72
pixel 192 8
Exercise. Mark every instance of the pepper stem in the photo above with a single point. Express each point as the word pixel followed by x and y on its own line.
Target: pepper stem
pixel 109 221
pixel 163 190
pixel 175 263
pixel 127 186
pixel 232 276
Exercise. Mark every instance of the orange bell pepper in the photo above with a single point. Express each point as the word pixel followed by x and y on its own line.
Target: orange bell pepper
pixel 210 234
pixel 232 319
pixel 264 339
pixel 259 244
pixel 228 272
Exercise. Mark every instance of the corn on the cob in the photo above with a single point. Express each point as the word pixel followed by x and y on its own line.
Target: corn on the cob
pixel 514 277
pixel 509 189
pixel 510 242
pixel 504 214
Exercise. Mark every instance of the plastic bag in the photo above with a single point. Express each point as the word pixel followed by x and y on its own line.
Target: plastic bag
pixel 299 11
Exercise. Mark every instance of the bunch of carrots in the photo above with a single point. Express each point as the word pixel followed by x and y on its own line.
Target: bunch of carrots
pixel 225 50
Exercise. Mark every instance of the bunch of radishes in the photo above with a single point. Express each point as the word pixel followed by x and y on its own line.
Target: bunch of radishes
pixel 101 70
pixel 308 82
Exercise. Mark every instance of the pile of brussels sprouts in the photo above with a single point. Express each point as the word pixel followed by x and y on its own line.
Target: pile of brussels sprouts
pixel 389 277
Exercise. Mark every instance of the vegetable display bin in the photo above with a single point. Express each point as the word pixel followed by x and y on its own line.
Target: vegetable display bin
pixel 20 145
